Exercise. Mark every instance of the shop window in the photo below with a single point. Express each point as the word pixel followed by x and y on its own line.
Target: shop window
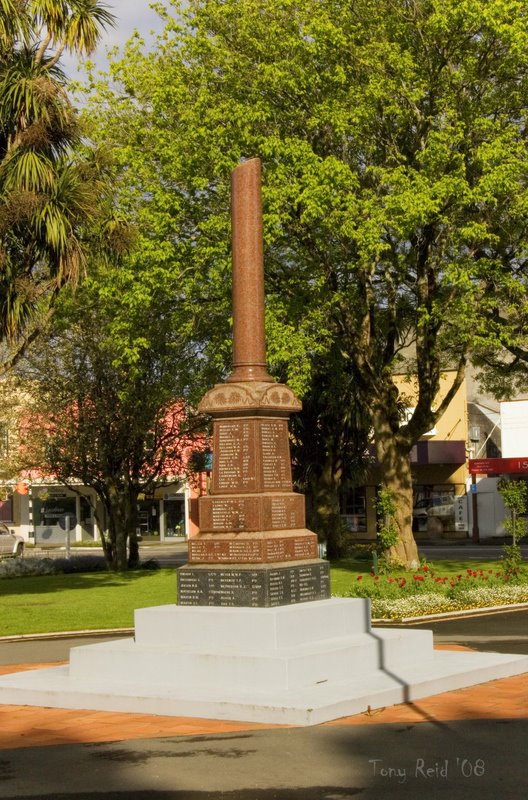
pixel 175 516
pixel 434 508
pixel 148 517
pixel 48 509
pixel 353 510
pixel 6 507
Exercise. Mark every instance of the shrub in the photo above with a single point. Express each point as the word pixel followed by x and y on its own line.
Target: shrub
pixel 80 564
pixel 21 567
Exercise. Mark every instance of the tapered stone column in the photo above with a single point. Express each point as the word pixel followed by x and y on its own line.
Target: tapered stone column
pixel 253 548
pixel 249 342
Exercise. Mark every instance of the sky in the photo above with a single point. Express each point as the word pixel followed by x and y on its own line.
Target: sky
pixel 130 15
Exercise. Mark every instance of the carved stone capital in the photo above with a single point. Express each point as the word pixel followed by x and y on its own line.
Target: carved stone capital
pixel 253 397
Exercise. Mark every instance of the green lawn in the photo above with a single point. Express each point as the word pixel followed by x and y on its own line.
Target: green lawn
pixel 81 601
pixel 98 600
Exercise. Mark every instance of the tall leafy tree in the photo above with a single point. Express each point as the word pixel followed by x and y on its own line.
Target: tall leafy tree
pixel 48 190
pixel 108 396
pixel 393 135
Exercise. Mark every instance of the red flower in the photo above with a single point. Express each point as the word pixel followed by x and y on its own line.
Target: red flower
pixel 475 573
pixel 426 568
pixel 360 577
pixel 418 577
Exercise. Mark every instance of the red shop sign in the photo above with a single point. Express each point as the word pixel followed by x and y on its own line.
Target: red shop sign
pixel 495 466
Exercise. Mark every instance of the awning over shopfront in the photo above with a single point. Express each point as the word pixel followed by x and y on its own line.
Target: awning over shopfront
pixel 438 452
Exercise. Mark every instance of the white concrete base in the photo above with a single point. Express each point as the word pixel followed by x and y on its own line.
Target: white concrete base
pixel 301 664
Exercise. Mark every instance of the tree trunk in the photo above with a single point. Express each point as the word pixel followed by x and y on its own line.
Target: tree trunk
pixel 122 516
pixel 395 466
pixel 327 512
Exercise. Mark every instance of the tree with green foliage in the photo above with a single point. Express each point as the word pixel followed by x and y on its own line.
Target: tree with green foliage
pixel 330 441
pixel 393 135
pixel 515 496
pixel 107 388
pixel 48 187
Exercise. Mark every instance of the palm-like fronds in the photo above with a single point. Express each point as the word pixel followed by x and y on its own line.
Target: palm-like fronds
pixel 87 20
pixel 46 195
pixel 12 24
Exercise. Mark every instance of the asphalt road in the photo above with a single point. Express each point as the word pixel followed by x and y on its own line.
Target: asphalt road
pixel 484 759
pixel 174 554
pixel 461 552
pixel 451 760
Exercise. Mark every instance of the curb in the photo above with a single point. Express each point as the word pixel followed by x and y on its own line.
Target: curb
pixel 32 637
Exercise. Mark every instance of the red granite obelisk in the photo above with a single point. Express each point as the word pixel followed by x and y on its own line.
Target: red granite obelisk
pixel 253 548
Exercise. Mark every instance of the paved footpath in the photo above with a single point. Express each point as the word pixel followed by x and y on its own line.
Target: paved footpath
pixel 462 744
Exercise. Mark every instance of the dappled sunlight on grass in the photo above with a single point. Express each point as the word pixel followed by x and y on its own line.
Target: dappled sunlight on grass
pixel 81 601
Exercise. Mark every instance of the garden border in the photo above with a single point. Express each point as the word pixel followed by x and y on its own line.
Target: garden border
pixel 446 615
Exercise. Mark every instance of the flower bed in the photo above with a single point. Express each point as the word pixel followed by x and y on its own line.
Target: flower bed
pixel 425 592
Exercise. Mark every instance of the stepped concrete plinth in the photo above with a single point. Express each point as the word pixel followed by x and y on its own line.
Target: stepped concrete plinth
pixel 299 664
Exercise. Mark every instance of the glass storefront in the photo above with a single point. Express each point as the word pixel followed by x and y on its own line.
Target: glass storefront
pixel 168 519
pixel 354 510
pixel 148 518
pixel 437 509
pixel 175 516
pixel 6 507
pixel 47 510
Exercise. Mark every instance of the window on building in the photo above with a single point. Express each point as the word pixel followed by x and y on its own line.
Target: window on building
pixel 434 508
pixel 6 507
pixel 354 510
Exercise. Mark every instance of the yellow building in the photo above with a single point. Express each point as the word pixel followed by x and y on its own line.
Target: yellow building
pixel 439 467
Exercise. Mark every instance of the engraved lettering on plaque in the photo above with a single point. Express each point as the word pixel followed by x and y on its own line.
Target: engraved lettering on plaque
pixel 228 515
pixel 279 513
pixel 276 470
pixel 235 468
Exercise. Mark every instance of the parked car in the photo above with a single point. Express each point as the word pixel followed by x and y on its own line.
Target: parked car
pixel 438 506
pixel 10 543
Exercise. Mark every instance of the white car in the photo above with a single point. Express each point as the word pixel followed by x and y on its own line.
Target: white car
pixel 10 543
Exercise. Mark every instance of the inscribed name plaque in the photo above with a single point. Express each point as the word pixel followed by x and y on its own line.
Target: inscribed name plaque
pixel 253 455
pixel 264 587
pixel 251 513
pixel 234 443
pixel 275 455
pixel 248 549
pixel 217 551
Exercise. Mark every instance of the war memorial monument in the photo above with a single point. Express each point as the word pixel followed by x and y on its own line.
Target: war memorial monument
pixel 255 634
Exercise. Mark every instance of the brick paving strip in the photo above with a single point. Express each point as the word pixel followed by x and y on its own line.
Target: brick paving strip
pixel 32 726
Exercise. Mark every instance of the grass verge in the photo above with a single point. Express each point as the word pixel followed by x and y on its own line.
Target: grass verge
pixel 102 600
pixel 82 601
